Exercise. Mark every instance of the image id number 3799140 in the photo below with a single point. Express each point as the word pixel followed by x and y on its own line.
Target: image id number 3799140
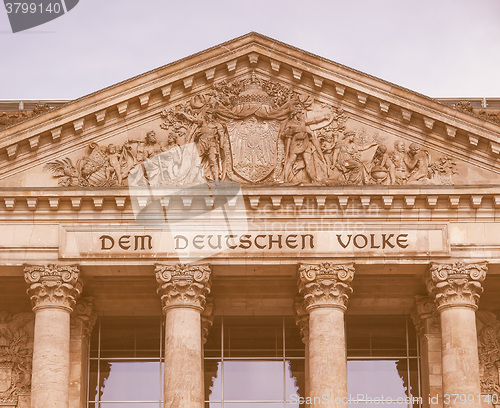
pixel 467 398
pixel 33 8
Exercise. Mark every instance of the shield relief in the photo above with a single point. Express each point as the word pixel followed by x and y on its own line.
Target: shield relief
pixel 254 147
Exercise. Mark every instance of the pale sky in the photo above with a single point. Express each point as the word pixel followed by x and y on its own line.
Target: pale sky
pixel 441 48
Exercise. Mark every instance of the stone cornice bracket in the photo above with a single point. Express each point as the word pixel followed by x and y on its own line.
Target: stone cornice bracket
pixel 53 286
pixel 83 313
pixel 301 318
pixel 207 319
pixel 326 284
pixel 425 316
pixel 456 284
pixel 183 285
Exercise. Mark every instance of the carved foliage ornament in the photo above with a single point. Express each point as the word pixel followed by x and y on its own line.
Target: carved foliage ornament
pixel 325 284
pixel 301 318
pixel 253 131
pixel 425 316
pixel 53 286
pixel 16 352
pixel 183 285
pixel 207 319
pixel 83 314
pixel 457 284
pixel 489 351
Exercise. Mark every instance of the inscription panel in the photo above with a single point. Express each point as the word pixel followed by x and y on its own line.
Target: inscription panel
pixel 141 242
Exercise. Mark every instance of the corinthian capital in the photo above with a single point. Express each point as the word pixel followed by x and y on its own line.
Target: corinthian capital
pixel 456 284
pixel 183 285
pixel 326 284
pixel 53 286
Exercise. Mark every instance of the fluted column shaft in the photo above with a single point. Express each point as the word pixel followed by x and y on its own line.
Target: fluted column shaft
pixel 183 290
pixel 457 288
pixel 53 290
pixel 325 288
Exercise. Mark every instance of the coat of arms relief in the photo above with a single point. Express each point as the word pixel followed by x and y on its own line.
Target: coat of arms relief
pixel 254 131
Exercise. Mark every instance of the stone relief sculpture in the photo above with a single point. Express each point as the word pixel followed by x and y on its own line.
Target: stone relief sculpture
pixel 489 351
pixel 16 352
pixel 347 161
pixel 302 150
pixel 254 131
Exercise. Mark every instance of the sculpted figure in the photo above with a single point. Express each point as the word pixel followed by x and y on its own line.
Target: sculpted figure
pixel 114 166
pixel 417 163
pixel 146 148
pixel 171 159
pixel 347 160
pixel 328 147
pixel 301 146
pixel 208 136
pixel 208 139
pixel 383 169
pixel 162 169
pixel 398 158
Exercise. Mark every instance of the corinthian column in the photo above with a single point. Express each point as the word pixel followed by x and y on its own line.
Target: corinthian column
pixel 456 288
pixel 326 288
pixel 183 290
pixel 53 290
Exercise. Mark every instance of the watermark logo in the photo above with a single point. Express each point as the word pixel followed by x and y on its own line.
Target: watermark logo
pixel 24 15
pixel 163 190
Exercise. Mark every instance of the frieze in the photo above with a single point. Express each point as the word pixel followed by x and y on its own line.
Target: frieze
pixel 254 131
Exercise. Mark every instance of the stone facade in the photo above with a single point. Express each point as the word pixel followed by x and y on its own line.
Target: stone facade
pixel 252 179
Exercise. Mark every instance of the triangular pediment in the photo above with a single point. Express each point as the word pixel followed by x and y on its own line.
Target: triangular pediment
pixel 258 112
